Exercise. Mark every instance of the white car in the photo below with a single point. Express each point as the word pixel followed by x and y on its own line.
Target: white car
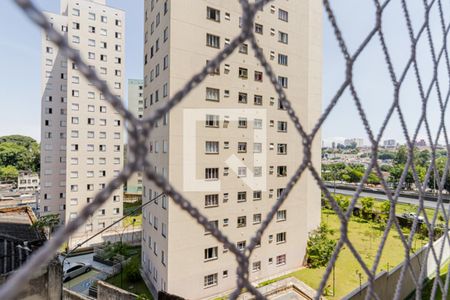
pixel 75 270
pixel 413 216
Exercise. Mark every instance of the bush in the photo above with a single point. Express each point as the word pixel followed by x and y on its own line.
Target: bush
pixel 131 269
pixel 320 247
pixel 367 207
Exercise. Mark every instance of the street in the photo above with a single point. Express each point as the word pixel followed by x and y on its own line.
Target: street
pixel 427 204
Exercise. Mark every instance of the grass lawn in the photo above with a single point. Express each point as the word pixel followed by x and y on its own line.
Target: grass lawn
pixel 137 216
pixel 138 288
pixel 365 237
pixel 426 293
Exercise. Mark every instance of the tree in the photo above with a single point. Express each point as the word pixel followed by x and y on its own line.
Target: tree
pixel 402 155
pixel 320 247
pixel 24 141
pixel 343 202
pixel 131 269
pixel 422 158
pixel 367 207
pixel 385 209
pixel 20 151
pixel 8 174
pixel 47 223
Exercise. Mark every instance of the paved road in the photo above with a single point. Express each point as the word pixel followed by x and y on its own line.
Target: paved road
pixel 88 259
pixel 428 204
pixel 82 283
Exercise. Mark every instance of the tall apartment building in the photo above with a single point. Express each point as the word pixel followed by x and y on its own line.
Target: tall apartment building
pixel 136 106
pixel 229 146
pixel 81 141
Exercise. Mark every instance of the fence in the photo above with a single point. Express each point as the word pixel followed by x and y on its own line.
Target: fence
pixel 139 130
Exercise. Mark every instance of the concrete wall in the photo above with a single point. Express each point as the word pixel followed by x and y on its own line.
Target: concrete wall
pixel 423 261
pixel 71 295
pixel 110 292
pixel 45 284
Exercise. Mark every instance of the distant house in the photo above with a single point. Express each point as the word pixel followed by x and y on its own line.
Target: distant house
pixel 27 181
pixel 18 238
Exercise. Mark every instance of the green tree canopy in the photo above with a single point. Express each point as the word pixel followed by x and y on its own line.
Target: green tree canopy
pixel 20 152
pixel 8 174
pixel 320 247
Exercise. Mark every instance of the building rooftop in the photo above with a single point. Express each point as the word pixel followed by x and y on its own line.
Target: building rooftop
pixel 16 223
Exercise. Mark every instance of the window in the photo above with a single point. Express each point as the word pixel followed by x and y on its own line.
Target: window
pixel 210 280
pixel 214 71
pixel 75 39
pixel 256 218
pixel 281 215
pixel 282 126
pixel 258 76
pixel 212 200
pixel 242 147
pixel 243 73
pixel 212 173
pixel 75 12
pixel 282 59
pixel 212 147
pixel 212 121
pixel 241 245
pixel 212 40
pixel 281 237
pixel 242 98
pixel 281 259
pixel 242 196
pixel 281 171
pixel 103 19
pixel 214 224
pixel 242 171
pixel 257 195
pixel 242 123
pixel 242 221
pixel 281 148
pixel 282 37
pixel 256 266
pixel 166 62
pixel 258 28
pixel 211 253
pixel 283 81
pixel 283 15
pixel 243 48
pixel 212 94
pixel 258 100
pixel 213 14
pixel 91 16
pixel 257 147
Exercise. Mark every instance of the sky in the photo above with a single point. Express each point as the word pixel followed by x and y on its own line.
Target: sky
pixel 20 61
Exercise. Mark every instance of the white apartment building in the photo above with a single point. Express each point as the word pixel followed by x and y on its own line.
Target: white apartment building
pixel 136 106
pixel 28 181
pixel 357 141
pixel 229 146
pixel 81 136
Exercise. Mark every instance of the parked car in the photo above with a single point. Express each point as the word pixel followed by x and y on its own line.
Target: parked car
pixel 76 270
pixel 412 216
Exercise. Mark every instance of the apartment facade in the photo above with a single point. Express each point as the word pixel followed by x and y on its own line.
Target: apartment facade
pixel 229 146
pixel 81 134
pixel 28 181
pixel 136 106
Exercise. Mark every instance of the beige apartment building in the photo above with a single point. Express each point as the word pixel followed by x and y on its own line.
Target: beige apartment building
pixel 135 106
pixel 229 146
pixel 81 141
